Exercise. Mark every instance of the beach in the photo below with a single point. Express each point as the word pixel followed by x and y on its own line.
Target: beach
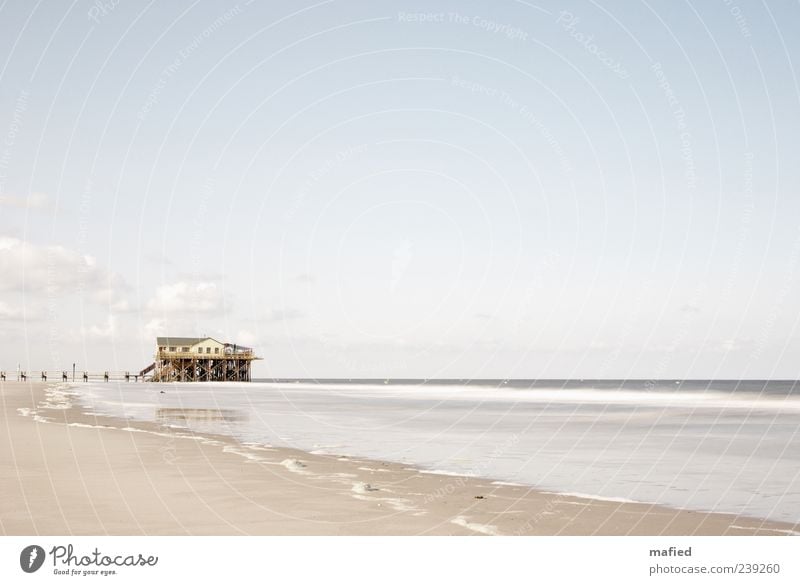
pixel 66 471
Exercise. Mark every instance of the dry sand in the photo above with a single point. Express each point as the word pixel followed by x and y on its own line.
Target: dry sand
pixel 64 471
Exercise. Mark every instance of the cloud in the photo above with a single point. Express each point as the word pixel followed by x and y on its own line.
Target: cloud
pixel 32 201
pixel 277 315
pixel 8 313
pixel 154 328
pixel 484 316
pixel 734 344
pixel 112 294
pixel 45 269
pixel 52 272
pixel 106 331
pixel 26 312
pixel 247 338
pixel 183 297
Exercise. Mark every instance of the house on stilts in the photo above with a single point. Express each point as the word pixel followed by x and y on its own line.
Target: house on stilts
pixel 199 359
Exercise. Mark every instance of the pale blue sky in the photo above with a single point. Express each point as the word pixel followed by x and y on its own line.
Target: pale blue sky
pixel 431 189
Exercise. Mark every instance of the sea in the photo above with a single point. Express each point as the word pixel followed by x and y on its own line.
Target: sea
pixel 728 446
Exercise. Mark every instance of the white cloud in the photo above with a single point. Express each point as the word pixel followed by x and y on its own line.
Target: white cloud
pixel 46 274
pixel 121 306
pixel 734 344
pixel 44 269
pixel 32 201
pixel 27 312
pixel 183 297
pixel 9 313
pixel 112 293
pixel 106 331
pixel 154 328
pixel 484 316
pixel 287 314
pixel 246 337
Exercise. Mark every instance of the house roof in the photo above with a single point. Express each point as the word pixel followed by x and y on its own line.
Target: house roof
pixel 174 341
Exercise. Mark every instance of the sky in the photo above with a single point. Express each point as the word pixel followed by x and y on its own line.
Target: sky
pixel 404 189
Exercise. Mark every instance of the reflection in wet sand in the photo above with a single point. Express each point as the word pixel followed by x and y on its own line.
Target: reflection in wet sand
pixel 198 415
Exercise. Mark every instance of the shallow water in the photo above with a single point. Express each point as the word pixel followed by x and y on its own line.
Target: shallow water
pixel 722 446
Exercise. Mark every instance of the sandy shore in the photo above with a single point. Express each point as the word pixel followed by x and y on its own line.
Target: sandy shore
pixel 64 471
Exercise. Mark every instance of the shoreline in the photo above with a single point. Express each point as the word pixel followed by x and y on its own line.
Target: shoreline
pixel 65 471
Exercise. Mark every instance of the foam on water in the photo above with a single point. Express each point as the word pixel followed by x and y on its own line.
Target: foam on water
pixel 360 487
pixel 295 466
pixel 366 493
pixel 475 527
pixel 243 453
pixel 595 497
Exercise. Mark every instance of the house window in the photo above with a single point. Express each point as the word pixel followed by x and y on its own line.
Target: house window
pixel 172 349
pixel 199 350
pixel 208 350
pixel 185 350
pixel 216 350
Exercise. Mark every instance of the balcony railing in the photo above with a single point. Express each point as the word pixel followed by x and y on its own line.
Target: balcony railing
pixel 239 354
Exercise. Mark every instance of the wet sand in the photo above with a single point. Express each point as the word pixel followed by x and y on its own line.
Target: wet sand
pixel 64 471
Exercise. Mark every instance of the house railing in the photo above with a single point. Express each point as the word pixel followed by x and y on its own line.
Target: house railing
pixel 164 355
